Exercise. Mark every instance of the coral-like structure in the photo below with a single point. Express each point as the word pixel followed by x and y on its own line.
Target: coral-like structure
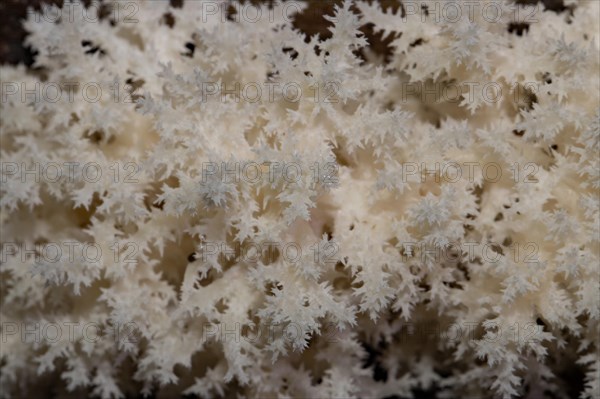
pixel 203 201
